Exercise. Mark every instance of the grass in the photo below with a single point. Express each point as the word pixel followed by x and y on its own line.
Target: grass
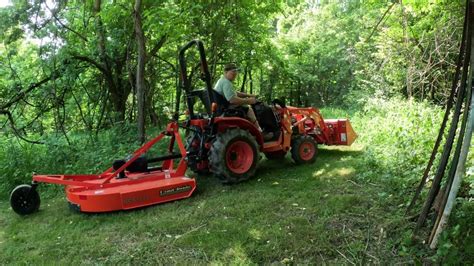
pixel 346 208
pixel 299 214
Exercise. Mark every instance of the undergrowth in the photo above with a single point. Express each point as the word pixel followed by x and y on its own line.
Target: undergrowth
pixel 399 136
pixel 80 153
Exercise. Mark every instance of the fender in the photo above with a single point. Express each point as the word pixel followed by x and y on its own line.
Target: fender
pixel 224 123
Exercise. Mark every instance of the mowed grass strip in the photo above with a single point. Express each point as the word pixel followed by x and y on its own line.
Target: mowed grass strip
pixel 291 214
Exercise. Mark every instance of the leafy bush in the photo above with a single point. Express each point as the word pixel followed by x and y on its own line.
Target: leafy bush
pixel 457 242
pixel 86 153
pixel 398 135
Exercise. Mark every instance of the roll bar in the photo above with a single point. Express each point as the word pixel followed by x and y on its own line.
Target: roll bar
pixel 185 81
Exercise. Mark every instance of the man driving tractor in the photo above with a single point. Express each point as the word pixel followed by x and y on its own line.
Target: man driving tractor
pixel 236 100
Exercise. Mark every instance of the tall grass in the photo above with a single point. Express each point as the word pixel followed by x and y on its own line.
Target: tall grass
pixel 398 134
pixel 398 137
pixel 85 153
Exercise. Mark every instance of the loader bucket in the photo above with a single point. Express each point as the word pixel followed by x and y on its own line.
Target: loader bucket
pixel 341 132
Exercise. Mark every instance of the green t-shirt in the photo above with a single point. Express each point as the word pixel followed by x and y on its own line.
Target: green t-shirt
pixel 225 88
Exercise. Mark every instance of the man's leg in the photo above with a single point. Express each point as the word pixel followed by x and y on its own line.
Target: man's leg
pixel 253 118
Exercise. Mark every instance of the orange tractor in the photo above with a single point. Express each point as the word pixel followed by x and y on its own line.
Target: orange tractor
pixel 220 141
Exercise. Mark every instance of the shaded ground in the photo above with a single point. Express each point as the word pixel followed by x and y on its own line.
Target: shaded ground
pixel 291 214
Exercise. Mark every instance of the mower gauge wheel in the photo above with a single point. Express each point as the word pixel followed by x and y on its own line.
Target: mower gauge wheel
pixel 25 200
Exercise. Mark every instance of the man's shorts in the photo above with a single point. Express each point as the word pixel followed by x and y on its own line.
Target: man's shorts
pixel 237 111
pixel 243 108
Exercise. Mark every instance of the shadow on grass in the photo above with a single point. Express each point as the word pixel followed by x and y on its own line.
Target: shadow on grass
pixel 327 157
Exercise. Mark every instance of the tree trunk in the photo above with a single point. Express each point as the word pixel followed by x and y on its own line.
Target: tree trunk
pixel 118 93
pixel 299 103
pixel 271 83
pixel 290 101
pixel 251 81
pixel 242 88
pixel 409 70
pixel 101 34
pixel 140 79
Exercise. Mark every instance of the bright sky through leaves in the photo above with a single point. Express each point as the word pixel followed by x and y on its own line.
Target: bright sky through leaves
pixel 4 3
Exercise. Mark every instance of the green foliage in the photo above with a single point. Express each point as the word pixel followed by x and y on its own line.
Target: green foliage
pixel 457 242
pixel 311 53
pixel 86 153
pixel 401 135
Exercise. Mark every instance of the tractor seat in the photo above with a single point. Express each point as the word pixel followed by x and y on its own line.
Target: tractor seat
pixel 224 109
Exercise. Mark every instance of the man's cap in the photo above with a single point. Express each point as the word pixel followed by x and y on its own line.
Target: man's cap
pixel 231 67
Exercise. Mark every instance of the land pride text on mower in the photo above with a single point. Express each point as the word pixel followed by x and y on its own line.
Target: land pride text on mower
pixel 220 141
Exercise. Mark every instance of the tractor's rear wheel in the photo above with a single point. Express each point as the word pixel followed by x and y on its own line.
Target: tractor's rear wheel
pixel 25 200
pixel 233 156
pixel 275 155
pixel 303 149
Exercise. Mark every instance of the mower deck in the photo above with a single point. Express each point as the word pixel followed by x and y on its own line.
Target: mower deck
pixel 145 190
pixel 122 186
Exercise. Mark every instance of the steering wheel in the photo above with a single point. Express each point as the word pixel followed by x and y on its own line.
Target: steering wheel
pixel 281 103
pixel 258 102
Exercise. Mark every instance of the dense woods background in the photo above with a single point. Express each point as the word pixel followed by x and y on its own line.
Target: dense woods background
pixel 72 65
pixel 81 82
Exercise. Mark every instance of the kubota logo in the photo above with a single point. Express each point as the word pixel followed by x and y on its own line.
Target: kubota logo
pixel 174 190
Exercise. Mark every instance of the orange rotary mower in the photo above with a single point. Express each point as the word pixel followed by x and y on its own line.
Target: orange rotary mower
pixel 220 141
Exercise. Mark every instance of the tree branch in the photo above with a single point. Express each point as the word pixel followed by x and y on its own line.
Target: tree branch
pixel 380 21
pixel 173 67
pixel 22 94
pixel 12 123
pixel 54 14
pixel 92 62
pixel 158 45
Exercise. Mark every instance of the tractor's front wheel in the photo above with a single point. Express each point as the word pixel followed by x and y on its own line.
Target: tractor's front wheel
pixel 233 156
pixel 24 200
pixel 303 149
